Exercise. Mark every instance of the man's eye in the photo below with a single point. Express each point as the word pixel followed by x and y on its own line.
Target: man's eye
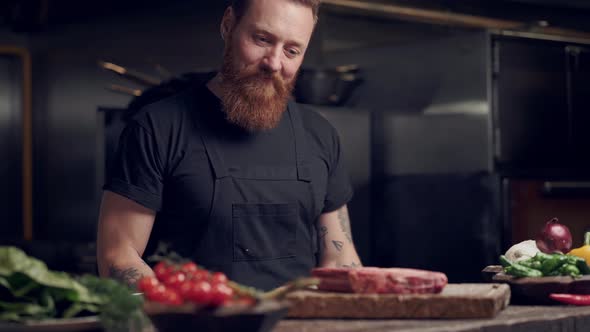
pixel 262 39
pixel 292 52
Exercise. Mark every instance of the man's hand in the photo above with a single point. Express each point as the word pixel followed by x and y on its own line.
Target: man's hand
pixel 336 245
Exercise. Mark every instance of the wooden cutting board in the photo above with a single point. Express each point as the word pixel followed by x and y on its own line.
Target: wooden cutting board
pixel 455 301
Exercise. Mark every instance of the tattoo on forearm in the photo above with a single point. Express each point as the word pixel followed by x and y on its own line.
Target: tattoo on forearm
pixel 345 224
pixel 323 232
pixel 338 245
pixel 351 266
pixel 129 276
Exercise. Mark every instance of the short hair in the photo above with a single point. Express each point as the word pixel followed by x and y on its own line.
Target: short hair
pixel 240 7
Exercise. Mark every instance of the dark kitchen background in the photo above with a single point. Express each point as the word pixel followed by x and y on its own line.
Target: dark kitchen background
pixel 464 123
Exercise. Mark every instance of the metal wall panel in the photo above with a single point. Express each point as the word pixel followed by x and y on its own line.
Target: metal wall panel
pixel 11 147
pixel 530 87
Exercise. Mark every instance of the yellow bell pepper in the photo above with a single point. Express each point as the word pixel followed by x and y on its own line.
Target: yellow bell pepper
pixel 583 251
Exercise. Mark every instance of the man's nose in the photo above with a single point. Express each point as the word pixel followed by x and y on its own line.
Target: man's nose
pixel 272 60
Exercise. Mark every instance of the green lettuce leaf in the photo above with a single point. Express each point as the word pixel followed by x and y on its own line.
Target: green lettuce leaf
pixel 20 311
pixel 14 260
pixel 77 308
pixel 30 291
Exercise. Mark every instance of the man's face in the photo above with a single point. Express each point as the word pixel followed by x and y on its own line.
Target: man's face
pixel 263 53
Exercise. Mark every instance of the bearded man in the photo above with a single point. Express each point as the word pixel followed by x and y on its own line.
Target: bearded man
pixel 233 174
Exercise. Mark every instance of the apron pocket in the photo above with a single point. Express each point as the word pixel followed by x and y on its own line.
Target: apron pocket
pixel 263 231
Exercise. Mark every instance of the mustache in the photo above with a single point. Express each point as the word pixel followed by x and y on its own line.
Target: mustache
pixel 253 78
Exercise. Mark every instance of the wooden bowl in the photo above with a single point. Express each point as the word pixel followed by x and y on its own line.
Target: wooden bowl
pixel 261 317
pixel 536 290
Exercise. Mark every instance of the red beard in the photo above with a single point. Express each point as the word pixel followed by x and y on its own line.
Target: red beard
pixel 252 98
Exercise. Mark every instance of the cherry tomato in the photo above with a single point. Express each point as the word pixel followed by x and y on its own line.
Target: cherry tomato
pixel 220 293
pixel 157 293
pixel 146 283
pixel 163 270
pixel 218 277
pixel 186 289
pixel 189 267
pixel 200 275
pixel 172 297
pixel 175 279
pixel 200 292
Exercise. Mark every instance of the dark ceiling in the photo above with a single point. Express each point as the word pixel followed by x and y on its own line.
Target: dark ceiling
pixel 29 16
pixel 38 15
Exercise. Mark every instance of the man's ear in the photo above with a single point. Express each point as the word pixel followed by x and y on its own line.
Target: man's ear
pixel 227 22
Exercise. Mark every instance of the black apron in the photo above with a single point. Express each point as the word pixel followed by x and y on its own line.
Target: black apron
pixel 261 229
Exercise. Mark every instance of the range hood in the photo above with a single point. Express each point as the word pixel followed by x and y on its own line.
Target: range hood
pixel 531 21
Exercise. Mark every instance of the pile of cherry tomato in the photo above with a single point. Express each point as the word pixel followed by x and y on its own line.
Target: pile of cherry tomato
pixel 176 284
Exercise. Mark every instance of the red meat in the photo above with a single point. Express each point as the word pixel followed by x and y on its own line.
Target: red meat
pixel 374 280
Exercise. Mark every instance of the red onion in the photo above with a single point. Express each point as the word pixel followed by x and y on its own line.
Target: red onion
pixel 554 237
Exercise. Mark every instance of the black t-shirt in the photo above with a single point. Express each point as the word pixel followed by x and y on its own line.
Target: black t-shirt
pixel 161 161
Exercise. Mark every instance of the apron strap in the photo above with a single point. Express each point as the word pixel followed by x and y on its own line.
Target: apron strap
pixel 219 168
pixel 215 158
pixel 303 170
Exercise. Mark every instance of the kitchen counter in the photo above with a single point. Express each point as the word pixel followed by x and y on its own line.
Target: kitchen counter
pixel 512 319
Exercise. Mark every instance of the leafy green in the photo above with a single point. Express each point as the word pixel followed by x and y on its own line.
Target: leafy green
pixel 21 284
pixel 29 309
pixel 9 316
pixel 14 260
pixel 4 283
pixel 30 291
pixel 122 307
pixel 77 308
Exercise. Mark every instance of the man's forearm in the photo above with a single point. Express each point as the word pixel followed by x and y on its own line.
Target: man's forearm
pixel 128 270
pixel 337 247
pixel 345 257
pixel 131 273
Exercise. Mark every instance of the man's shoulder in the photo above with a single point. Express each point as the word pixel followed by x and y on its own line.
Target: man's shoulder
pixel 167 109
pixel 170 98
pixel 174 112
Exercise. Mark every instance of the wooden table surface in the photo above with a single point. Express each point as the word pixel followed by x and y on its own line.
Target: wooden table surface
pixel 512 319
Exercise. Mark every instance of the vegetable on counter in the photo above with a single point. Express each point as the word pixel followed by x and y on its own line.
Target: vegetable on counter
pixel 546 265
pixel 554 237
pixel 179 281
pixel 174 286
pixel 583 251
pixel 30 291
pixel 575 299
pixel 522 251
pixel 518 270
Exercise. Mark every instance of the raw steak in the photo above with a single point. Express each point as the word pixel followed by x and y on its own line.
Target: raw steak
pixel 371 280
